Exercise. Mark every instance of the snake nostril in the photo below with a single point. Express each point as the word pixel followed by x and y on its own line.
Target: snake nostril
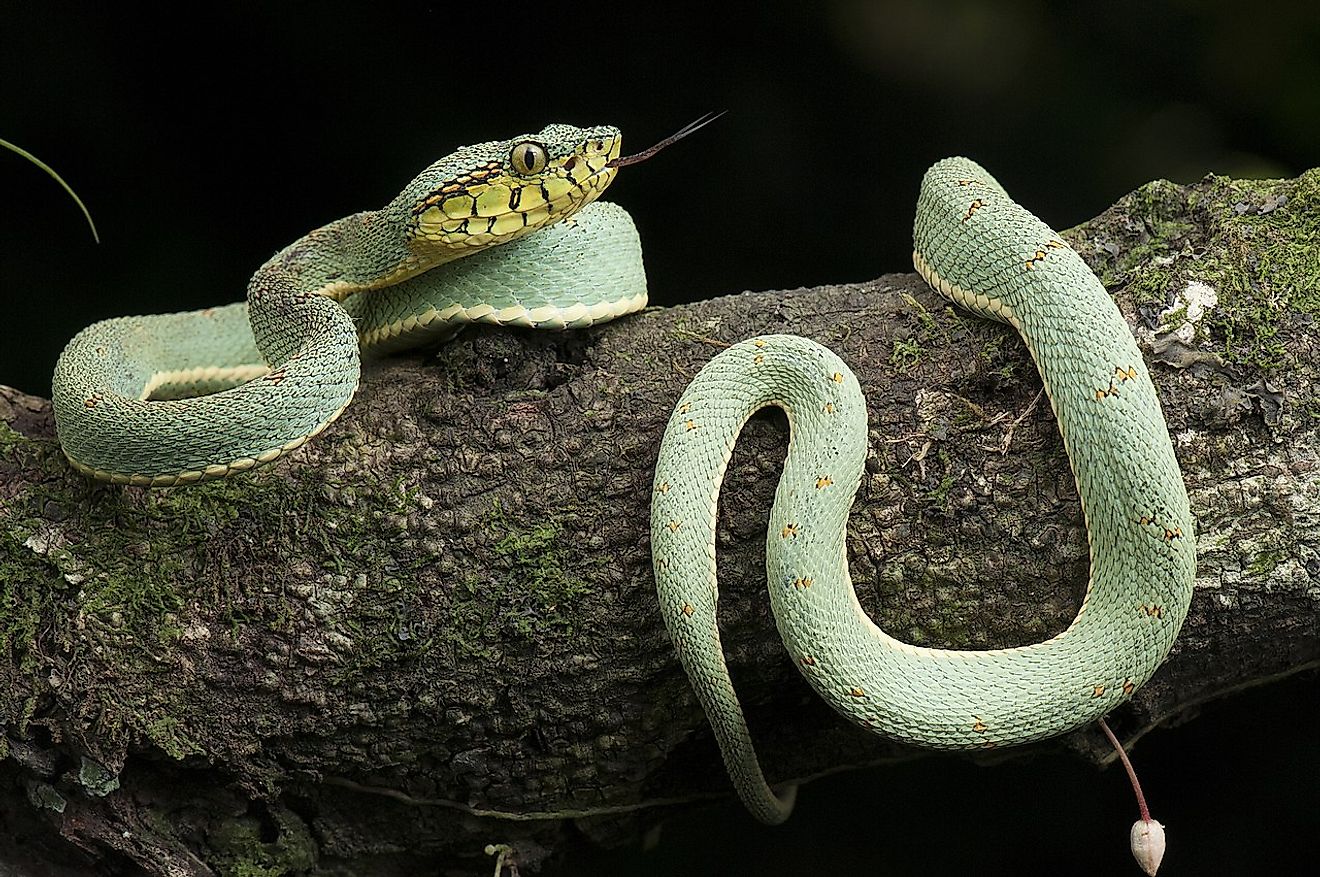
pixel 570 163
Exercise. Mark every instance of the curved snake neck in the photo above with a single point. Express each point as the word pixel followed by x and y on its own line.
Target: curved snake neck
pixel 988 254
pixel 177 398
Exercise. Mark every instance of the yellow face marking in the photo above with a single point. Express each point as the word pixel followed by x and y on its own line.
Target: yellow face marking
pixel 837 377
pixel 459 207
pixel 685 408
pixel 759 358
pixel 856 691
pixel 1128 687
pixel 429 222
pixel 537 218
pixel 530 198
pixel 829 407
pixel 557 188
pixel 808 661
pixel 823 482
pixel 789 531
pixel 803 583
pixel 454 226
pixel 663 487
pixel 690 425
pixel 502 204
pixel 688 610
pixel 492 200
pixel 980 727
pixel 580 172
pixel 507 224
pixel 758 343
pixel 674 525
pixel 1098 691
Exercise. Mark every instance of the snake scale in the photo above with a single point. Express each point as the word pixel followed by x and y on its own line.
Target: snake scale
pixel 178 398
pixel 994 258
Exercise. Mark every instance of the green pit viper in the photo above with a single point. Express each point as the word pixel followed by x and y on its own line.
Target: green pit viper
pixel 178 398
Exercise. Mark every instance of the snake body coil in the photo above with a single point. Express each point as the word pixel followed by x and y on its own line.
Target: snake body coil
pixel 177 398
pixel 986 253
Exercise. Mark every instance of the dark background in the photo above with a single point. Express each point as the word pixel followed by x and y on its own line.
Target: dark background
pixel 204 141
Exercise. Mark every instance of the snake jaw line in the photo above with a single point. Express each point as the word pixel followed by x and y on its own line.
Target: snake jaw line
pixel 513 197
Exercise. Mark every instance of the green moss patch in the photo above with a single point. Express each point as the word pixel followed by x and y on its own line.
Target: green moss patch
pixel 1256 242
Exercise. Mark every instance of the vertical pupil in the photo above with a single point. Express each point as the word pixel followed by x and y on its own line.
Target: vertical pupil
pixel 529 158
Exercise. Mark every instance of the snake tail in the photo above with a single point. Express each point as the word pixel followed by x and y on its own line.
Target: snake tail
pixel 991 256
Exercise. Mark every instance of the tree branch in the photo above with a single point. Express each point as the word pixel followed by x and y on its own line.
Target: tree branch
pixel 443 606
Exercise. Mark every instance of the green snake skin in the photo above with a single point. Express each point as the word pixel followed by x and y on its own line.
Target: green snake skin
pixel 177 398
pixel 987 254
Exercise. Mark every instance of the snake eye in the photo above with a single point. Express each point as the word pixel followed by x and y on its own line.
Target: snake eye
pixel 528 158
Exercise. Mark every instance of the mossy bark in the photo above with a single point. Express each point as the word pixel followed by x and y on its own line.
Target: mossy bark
pixel 445 601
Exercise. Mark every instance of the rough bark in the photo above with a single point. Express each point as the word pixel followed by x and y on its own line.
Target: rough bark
pixel 445 601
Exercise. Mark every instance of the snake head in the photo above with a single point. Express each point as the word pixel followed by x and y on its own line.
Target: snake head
pixel 493 193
